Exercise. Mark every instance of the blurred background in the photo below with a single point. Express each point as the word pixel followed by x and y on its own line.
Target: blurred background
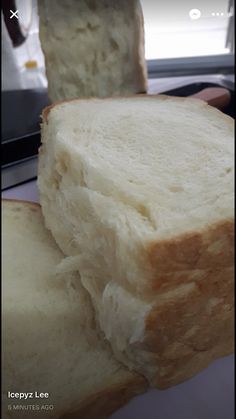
pixel 200 30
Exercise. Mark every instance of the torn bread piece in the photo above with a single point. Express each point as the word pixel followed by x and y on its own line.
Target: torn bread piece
pixel 93 47
pixel 50 342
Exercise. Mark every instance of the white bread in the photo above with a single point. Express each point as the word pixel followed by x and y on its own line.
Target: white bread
pixel 50 343
pixel 93 47
pixel 138 192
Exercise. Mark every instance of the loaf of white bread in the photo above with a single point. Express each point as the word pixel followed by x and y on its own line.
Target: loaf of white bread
pixel 50 343
pixel 93 47
pixel 138 193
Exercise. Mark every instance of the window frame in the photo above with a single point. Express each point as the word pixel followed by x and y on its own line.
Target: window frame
pixel 190 66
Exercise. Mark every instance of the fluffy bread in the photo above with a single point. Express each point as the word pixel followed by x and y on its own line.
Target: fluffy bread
pixel 93 47
pixel 50 343
pixel 139 194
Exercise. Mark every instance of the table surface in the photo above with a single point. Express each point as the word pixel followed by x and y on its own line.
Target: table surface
pixel 209 395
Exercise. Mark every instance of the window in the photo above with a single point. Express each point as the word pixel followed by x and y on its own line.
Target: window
pixel 186 28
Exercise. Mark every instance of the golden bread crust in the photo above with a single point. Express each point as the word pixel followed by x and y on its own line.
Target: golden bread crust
pixel 212 248
pixel 195 321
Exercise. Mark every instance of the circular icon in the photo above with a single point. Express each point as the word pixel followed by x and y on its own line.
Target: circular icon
pixel 194 14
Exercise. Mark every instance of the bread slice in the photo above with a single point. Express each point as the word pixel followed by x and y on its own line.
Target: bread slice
pixel 138 192
pixel 93 47
pixel 50 343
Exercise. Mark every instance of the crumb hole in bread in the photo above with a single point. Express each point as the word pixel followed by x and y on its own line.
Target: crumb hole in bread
pixel 116 306
pixel 82 179
pixel 175 188
pixel 104 56
pixel 92 5
pixel 55 180
pixel 77 30
pixel 63 163
pixel 114 44
pixel 72 285
pixel 72 244
pixel 227 170
pixel 142 210
pixel 56 184
pixel 113 303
